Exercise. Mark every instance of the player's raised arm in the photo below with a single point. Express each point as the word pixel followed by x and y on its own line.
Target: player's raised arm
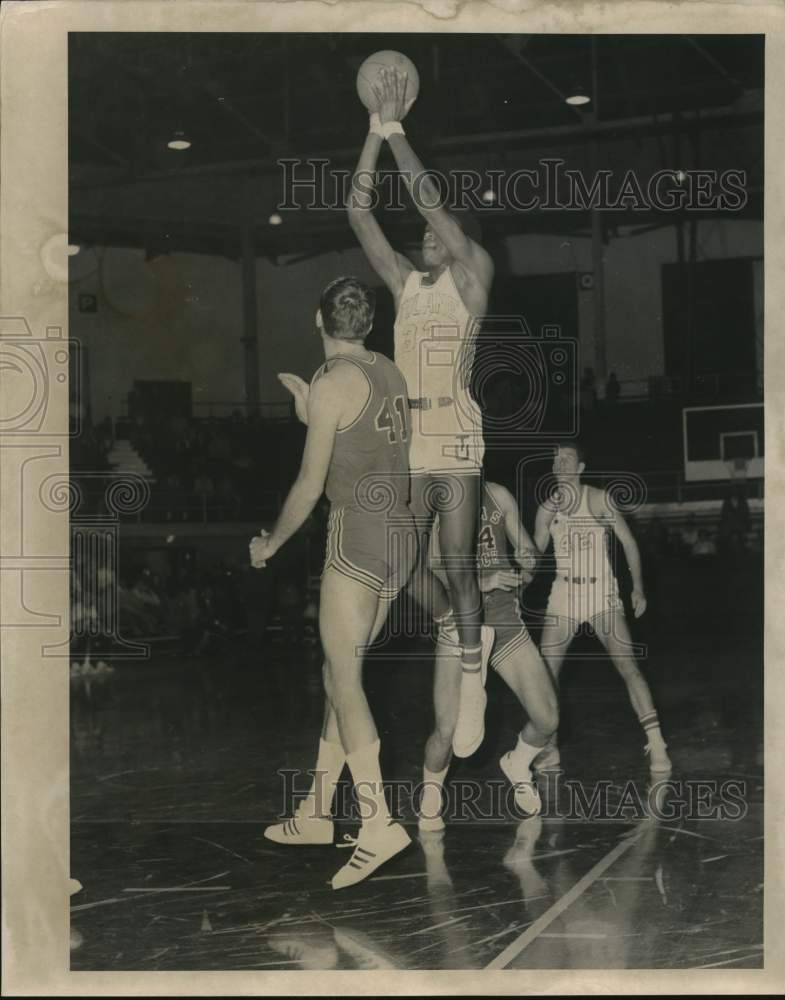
pixel 326 403
pixel 603 508
pixel 392 108
pixel 393 268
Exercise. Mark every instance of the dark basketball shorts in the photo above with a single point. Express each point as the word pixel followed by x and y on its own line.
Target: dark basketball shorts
pixel 375 549
pixel 502 611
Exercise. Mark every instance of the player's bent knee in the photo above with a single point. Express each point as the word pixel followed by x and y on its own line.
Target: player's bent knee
pixel 444 731
pixel 439 743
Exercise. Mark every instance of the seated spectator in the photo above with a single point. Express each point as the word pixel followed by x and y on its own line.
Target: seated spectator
pixel 689 534
pixel 203 484
pixel 612 389
pixel 734 522
pixel 185 616
pixel 220 449
pixel 227 504
pixel 704 547
pixel 204 489
pixel 656 539
pixel 105 435
pixel 587 391
pixel 186 443
pixel 172 497
pixel 202 441
pixel 137 617
pixel 147 600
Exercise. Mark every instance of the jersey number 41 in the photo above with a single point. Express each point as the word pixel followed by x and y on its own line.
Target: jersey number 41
pixel 386 419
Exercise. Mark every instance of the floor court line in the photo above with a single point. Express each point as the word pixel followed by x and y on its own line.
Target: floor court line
pixel 532 932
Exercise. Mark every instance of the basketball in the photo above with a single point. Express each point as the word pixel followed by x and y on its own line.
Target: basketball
pixel 368 77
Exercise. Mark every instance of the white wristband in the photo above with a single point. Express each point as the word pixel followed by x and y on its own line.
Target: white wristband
pixel 392 128
pixel 375 125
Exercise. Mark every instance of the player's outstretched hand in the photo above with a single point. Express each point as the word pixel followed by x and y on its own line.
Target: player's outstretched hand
pixel 300 389
pixel 638 599
pixel 509 579
pixel 500 579
pixel 260 550
pixel 391 95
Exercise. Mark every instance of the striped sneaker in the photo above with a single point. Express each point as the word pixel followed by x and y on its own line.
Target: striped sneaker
pixel 301 830
pixel 527 798
pixel 373 846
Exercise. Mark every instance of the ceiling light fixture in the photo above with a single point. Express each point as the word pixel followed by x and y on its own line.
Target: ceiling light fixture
pixel 179 141
pixel 577 96
pixel 275 219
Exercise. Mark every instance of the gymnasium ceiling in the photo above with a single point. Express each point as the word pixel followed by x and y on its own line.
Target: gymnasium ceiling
pixel 486 101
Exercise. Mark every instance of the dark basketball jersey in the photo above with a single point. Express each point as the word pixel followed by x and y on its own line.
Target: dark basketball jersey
pixel 492 549
pixel 369 468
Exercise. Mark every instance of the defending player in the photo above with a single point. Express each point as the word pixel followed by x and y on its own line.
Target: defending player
pixel 514 656
pixel 356 450
pixel 435 330
pixel 580 520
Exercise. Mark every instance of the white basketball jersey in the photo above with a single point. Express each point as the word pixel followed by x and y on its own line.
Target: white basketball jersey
pixel 434 337
pixel 581 543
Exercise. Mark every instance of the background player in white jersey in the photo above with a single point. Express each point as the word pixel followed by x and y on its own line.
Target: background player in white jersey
pixel 356 451
pixel 435 329
pixel 503 543
pixel 581 520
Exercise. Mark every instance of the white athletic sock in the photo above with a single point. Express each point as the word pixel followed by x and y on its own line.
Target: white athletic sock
pixel 524 753
pixel 329 764
pixel 431 802
pixel 471 665
pixel 367 778
pixel 651 727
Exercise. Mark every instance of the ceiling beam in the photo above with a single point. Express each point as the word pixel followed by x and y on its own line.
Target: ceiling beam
pixel 509 44
pixel 111 154
pixel 521 138
pixel 713 62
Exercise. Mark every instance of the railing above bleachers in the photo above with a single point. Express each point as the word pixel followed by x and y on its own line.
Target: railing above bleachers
pixel 671 486
pixel 716 386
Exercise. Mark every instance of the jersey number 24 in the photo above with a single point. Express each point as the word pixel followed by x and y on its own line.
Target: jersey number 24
pixel 386 419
